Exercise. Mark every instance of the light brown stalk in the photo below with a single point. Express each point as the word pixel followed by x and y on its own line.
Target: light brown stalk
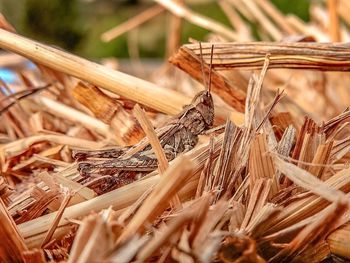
pixel 157 148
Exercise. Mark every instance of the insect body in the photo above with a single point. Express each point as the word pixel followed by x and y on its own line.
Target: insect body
pixel 113 169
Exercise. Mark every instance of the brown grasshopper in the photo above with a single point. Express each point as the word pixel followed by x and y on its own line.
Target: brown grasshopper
pixel 178 136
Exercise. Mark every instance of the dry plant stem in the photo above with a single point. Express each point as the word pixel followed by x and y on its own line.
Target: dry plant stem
pixel 156 243
pixel 263 20
pixel 34 256
pixel 303 28
pixel 82 237
pixel 172 181
pixel 130 87
pixel 100 104
pixel 242 9
pixel 123 126
pixel 174 34
pixel 261 164
pixel 312 203
pixel 57 219
pixel 333 20
pixel 276 15
pixel 343 8
pixel 18 146
pixel 84 192
pixel 251 55
pixel 132 23
pixel 339 241
pixel 236 21
pixel 34 231
pixel 9 60
pixel 157 148
pixel 308 181
pixel 73 115
pixel 152 137
pixel 198 19
pixel 98 242
pixel 11 243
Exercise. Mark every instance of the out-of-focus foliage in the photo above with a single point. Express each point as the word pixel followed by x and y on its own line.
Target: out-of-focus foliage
pixel 55 21
pixel 298 7
pixel 77 25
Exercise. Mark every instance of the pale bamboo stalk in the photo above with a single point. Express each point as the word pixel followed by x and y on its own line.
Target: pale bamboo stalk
pixel 141 91
pixel 43 159
pixel 132 23
pixel 235 20
pixel 198 19
pixel 334 28
pixel 297 24
pixel 157 148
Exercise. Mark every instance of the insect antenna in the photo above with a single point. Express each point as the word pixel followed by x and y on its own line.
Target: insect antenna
pixel 207 85
pixel 202 66
pixel 211 66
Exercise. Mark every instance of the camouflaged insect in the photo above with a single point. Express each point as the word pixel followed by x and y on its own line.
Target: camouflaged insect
pixel 106 170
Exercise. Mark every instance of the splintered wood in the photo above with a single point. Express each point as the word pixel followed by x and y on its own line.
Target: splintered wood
pixel 101 166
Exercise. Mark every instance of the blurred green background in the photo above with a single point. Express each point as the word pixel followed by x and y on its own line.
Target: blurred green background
pixel 76 25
